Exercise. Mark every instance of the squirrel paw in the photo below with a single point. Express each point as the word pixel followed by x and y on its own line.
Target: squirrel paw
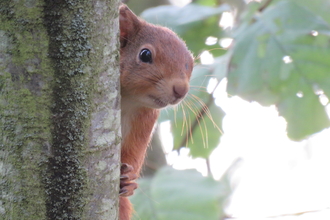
pixel 127 187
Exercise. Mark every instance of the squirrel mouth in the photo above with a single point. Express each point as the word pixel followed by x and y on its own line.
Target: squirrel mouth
pixel 158 101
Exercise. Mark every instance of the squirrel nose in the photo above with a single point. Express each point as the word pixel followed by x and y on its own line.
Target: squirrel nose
pixel 180 91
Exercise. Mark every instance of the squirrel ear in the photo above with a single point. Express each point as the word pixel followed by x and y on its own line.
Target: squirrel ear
pixel 129 24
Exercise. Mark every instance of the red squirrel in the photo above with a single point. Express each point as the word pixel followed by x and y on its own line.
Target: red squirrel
pixel 155 69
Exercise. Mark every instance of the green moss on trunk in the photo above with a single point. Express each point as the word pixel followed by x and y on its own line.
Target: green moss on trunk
pixel 25 73
pixel 59 78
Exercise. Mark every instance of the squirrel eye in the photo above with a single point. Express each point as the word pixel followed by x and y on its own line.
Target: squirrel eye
pixel 145 56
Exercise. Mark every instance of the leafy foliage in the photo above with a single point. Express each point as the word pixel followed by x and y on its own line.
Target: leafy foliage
pixel 197 121
pixel 280 56
pixel 170 194
pixel 285 62
pixel 194 23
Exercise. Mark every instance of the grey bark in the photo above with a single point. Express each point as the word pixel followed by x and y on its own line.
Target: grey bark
pixel 59 109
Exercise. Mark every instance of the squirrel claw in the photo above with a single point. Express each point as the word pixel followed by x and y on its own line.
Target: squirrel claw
pixel 125 168
pixel 122 191
pixel 127 187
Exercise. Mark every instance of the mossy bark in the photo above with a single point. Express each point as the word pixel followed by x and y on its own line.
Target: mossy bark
pixel 59 109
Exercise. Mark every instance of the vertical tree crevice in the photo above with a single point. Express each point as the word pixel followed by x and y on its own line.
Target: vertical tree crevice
pixel 69 46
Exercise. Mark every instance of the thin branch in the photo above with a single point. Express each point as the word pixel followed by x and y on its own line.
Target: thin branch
pixel 264 5
pixel 209 172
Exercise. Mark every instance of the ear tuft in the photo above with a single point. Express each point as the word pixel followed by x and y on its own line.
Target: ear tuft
pixel 129 24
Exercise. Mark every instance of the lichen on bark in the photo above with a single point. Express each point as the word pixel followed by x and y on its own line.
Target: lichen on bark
pixel 59 79
pixel 24 112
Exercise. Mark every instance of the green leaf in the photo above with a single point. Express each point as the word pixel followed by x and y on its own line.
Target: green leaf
pixel 206 2
pixel 308 105
pixel 194 23
pixel 284 54
pixel 196 123
pixel 317 7
pixel 207 134
pixel 180 195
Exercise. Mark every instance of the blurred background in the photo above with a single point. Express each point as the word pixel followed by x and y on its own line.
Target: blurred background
pixel 252 139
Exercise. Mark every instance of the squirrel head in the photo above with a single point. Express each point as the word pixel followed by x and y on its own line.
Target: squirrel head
pixel 155 63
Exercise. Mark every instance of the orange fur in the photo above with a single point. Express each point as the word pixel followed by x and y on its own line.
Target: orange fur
pixel 146 87
pixel 135 144
pixel 125 209
pixel 134 147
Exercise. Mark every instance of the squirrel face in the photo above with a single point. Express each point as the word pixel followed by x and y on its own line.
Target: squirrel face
pixel 155 63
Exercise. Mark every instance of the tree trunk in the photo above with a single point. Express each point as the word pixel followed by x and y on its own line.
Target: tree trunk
pixel 59 109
